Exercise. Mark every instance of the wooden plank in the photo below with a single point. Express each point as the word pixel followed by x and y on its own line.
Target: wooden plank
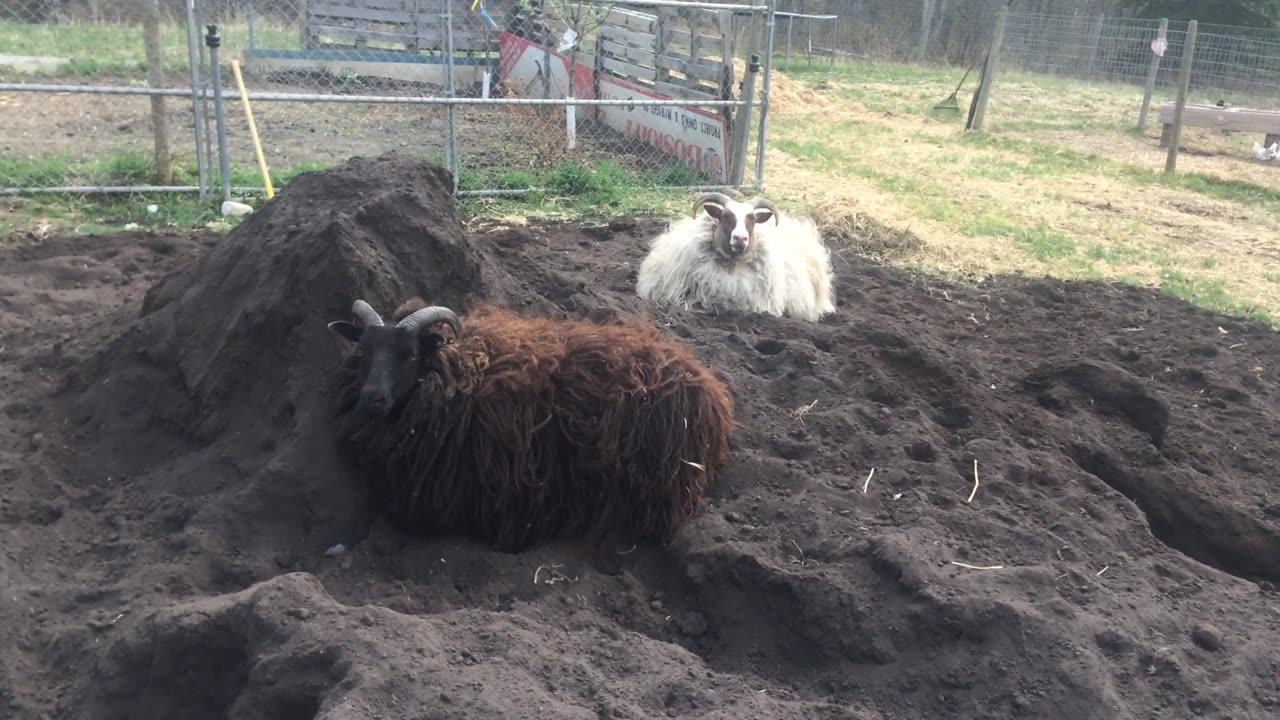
pixel 690 70
pixel 329 11
pixel 662 35
pixel 631 20
pixel 627 53
pixel 429 37
pixel 709 43
pixel 680 92
pixel 424 48
pixel 411 7
pixel 712 63
pixel 702 62
pixel 644 41
pixel 1226 119
pixel 388 4
pixel 357 33
pixel 728 30
pixel 627 71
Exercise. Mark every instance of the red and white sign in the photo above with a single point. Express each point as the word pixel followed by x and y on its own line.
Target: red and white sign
pixel 694 136
pixel 520 62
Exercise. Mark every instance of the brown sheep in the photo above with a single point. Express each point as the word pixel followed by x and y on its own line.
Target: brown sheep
pixel 524 430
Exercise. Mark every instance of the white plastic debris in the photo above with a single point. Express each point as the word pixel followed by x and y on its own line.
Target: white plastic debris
pixel 153 209
pixel 232 208
pixel 567 41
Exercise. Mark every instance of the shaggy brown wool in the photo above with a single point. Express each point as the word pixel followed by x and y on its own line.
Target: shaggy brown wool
pixel 607 433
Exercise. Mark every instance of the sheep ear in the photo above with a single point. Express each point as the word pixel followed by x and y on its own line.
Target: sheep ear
pixel 432 341
pixel 762 215
pixel 715 211
pixel 346 329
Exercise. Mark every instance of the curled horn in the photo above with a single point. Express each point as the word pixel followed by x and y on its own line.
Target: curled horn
pixel 767 205
pixel 429 316
pixel 715 197
pixel 366 314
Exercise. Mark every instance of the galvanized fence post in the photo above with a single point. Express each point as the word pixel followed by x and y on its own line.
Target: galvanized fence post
pixel 451 136
pixel 194 57
pixel 224 162
pixel 205 99
pixel 742 123
pixel 764 93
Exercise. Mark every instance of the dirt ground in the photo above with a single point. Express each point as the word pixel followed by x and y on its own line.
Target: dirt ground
pixel 169 489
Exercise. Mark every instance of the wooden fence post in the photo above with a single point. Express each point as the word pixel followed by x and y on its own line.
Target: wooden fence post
pixel 1152 73
pixel 155 79
pixel 1184 84
pixel 989 77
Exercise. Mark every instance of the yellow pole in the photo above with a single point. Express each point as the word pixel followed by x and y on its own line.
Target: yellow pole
pixel 253 131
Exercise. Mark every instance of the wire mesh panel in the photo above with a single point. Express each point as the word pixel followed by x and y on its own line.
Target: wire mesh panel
pixel 311 57
pixel 512 95
pixel 55 139
pixel 1087 44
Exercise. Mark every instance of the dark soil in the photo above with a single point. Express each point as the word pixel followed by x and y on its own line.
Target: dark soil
pixel 169 489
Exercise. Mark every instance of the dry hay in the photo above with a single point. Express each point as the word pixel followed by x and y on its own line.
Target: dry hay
pixel 846 227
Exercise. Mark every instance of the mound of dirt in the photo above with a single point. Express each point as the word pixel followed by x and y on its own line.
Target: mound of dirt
pixel 1071 513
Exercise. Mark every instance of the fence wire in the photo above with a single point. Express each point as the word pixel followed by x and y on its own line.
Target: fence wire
pixel 333 79
pixel 1086 44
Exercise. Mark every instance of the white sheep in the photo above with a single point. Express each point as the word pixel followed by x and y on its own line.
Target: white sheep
pixel 731 259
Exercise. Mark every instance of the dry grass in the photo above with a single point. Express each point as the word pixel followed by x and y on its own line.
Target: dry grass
pixel 1059 184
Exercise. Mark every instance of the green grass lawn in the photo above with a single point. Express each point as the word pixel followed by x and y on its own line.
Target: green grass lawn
pixel 1058 183
pixel 107 48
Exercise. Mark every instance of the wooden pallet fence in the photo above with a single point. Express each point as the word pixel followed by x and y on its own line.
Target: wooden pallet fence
pixel 413 26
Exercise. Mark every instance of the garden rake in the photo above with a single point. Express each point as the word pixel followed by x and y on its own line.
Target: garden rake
pixel 951 103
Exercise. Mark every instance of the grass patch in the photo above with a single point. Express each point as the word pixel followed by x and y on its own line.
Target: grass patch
pixel 1236 191
pixel 1211 294
pixel 1044 244
pixel 571 188
pixel 1058 182
pixel 108 48
pixel 568 189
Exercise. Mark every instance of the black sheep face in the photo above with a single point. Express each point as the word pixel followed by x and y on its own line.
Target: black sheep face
pixel 389 361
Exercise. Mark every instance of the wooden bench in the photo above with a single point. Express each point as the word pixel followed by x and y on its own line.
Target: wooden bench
pixel 1228 119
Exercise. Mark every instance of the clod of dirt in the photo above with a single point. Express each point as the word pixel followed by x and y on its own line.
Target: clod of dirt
pixel 1109 388
pixel 284 649
pixel 1207 636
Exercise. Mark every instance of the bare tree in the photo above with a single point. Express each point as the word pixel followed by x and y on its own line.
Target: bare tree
pixel 580 21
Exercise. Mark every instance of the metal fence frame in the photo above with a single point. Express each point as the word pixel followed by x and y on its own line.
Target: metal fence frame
pixel 834 25
pixel 205 91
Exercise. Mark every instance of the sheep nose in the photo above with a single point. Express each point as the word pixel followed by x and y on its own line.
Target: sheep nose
pixel 373 401
pixel 737 244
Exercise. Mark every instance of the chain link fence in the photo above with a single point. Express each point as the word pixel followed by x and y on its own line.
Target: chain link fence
pixel 1089 44
pixel 514 96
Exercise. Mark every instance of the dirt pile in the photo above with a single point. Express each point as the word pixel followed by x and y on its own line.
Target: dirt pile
pixel 167 510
